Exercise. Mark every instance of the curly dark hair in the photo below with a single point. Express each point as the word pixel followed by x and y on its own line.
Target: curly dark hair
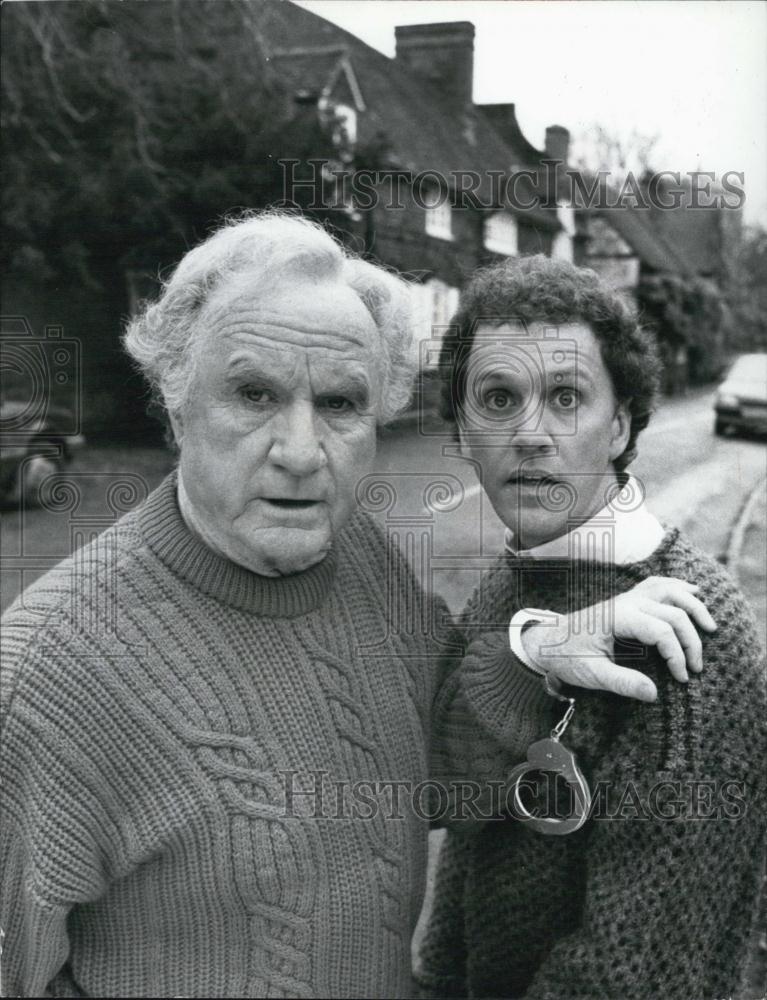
pixel 539 289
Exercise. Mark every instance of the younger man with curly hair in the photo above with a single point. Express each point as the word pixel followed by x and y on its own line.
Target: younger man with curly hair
pixel 550 380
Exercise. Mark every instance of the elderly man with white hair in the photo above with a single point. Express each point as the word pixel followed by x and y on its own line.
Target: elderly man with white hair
pixel 175 820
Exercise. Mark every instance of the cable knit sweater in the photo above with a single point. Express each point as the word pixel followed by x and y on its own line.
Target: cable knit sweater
pixel 656 895
pixel 158 703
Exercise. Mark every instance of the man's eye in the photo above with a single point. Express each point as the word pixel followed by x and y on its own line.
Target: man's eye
pixel 498 399
pixel 567 399
pixel 337 404
pixel 255 395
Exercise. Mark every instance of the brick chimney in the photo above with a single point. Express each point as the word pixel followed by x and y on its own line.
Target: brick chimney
pixel 443 54
pixel 557 143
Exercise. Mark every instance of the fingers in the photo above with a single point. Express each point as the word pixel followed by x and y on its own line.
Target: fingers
pixel 662 584
pixel 660 612
pixel 670 590
pixel 656 632
pixel 695 608
pixel 647 623
pixel 671 610
pixel 601 674
pixel 668 646
pixel 684 630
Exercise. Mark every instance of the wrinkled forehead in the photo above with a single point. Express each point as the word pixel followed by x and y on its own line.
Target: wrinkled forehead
pixel 547 348
pixel 323 318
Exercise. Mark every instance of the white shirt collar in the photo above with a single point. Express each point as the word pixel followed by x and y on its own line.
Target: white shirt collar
pixel 622 532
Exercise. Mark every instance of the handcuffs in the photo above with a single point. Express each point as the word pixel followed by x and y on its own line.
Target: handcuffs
pixel 550 755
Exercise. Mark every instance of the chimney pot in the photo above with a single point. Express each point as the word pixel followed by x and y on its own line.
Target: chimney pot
pixel 442 54
pixel 557 143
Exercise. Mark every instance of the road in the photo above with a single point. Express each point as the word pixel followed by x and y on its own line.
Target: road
pixel 695 480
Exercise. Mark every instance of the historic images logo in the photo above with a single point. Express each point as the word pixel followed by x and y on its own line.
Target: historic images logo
pixel 316 794
pixel 320 184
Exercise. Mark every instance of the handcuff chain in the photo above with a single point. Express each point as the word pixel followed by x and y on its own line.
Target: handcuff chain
pixel 564 722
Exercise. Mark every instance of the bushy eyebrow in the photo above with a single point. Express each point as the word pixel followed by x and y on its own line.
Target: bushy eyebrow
pixel 245 372
pixel 350 387
pixel 354 387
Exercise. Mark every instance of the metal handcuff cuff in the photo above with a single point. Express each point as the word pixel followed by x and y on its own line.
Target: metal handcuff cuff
pixel 550 755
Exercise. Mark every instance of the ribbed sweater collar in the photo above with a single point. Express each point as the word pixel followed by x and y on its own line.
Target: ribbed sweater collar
pixel 189 558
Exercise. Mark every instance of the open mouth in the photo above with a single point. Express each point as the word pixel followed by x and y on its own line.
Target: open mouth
pixel 286 504
pixel 531 479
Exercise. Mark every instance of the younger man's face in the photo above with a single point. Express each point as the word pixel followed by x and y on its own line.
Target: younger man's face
pixel 541 421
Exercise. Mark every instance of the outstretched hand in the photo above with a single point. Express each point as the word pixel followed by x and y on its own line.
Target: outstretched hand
pixel 660 611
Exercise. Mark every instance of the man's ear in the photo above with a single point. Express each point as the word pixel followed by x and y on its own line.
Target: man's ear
pixel 621 430
pixel 177 426
pixel 463 441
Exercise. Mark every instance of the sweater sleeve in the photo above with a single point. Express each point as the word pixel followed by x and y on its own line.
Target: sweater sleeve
pixel 35 942
pixel 487 710
pixel 673 856
pixel 50 858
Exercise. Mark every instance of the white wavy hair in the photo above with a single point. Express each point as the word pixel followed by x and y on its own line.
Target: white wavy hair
pixel 266 245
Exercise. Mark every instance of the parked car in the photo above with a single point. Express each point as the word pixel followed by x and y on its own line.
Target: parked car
pixel 30 450
pixel 741 400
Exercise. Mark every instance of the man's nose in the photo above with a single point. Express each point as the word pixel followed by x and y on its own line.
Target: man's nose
pixel 296 446
pixel 534 442
pixel 534 437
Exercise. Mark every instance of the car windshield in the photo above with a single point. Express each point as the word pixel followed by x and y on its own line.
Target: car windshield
pixel 750 368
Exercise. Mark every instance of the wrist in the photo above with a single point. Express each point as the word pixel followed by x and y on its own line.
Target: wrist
pixel 531 639
pixel 529 633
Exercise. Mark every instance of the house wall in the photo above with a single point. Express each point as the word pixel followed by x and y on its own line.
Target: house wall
pixel 611 257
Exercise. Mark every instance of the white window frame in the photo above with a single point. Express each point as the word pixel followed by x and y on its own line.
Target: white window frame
pixel 501 234
pixel 434 305
pixel 438 219
pixel 344 125
pixel 562 244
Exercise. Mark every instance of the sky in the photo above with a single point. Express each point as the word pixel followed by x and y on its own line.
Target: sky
pixel 694 72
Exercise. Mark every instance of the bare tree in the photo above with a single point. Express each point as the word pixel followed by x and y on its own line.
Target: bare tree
pixel 600 148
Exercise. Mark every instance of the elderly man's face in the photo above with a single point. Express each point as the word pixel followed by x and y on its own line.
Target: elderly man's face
pixel 541 420
pixel 281 422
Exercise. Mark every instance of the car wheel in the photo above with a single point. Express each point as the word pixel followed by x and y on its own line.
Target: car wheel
pixel 31 476
pixel 720 428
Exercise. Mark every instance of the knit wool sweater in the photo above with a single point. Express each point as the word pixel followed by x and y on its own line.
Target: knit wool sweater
pixel 656 894
pixel 164 710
